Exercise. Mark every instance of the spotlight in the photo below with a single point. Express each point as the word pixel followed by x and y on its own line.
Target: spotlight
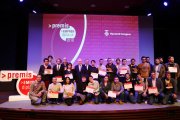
pixel 149 14
pixel 34 11
pixel 21 0
pixel 165 3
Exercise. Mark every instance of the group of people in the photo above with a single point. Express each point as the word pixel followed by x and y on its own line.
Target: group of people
pixel 119 82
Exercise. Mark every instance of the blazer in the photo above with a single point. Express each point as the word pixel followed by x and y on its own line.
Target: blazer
pixel 88 71
pixel 159 84
pixel 59 72
pixel 78 74
pixel 161 70
pixel 41 72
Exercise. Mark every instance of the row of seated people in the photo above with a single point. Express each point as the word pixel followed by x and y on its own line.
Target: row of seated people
pixel 151 90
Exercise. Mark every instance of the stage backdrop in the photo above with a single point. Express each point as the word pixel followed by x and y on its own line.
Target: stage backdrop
pixel 88 37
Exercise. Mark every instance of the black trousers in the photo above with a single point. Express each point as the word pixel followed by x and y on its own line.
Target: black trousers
pixel 69 101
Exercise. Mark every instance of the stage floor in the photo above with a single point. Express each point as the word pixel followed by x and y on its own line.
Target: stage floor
pixel 26 105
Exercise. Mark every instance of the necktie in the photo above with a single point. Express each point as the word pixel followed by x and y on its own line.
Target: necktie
pixel 80 68
pixel 58 67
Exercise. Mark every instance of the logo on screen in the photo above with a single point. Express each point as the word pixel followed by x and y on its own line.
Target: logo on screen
pixel 67 34
pixel 106 32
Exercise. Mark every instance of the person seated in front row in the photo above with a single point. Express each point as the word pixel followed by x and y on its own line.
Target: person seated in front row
pixel 155 89
pixel 37 93
pixel 68 91
pixel 55 92
pixel 93 92
pixel 70 71
pixel 118 88
pixel 140 88
pixel 105 86
pixel 170 89
pixel 81 92
pixel 129 93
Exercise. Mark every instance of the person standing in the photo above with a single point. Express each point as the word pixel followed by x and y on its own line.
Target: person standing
pixel 111 69
pixel 133 69
pixel 46 72
pixel 79 70
pixel 173 68
pixel 159 69
pixel 51 63
pixel 101 67
pixel 123 69
pixel 58 69
pixel 144 68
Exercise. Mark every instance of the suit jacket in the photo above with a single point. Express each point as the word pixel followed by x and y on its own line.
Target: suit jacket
pixel 78 74
pixel 57 72
pixel 41 72
pixel 161 70
pixel 159 84
pixel 88 71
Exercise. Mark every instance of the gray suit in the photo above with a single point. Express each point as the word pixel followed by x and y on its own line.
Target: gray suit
pixel 151 97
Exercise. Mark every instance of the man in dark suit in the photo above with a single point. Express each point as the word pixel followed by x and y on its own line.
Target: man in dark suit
pixel 45 77
pixel 80 70
pixel 155 83
pixel 58 69
pixel 88 68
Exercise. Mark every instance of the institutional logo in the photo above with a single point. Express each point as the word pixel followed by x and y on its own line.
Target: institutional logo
pixel 106 32
pixel 67 33
pixel 109 33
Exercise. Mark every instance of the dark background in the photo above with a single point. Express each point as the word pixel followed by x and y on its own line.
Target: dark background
pixel 14 25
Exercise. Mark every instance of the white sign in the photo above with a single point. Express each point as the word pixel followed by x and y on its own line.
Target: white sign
pixel 59 79
pixel 152 90
pixel 8 75
pixel 112 94
pixel 90 89
pixel 102 73
pixel 127 85
pixel 48 71
pixel 53 94
pixel 122 71
pixel 94 75
pixel 172 69
pixel 69 75
pixel 138 87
